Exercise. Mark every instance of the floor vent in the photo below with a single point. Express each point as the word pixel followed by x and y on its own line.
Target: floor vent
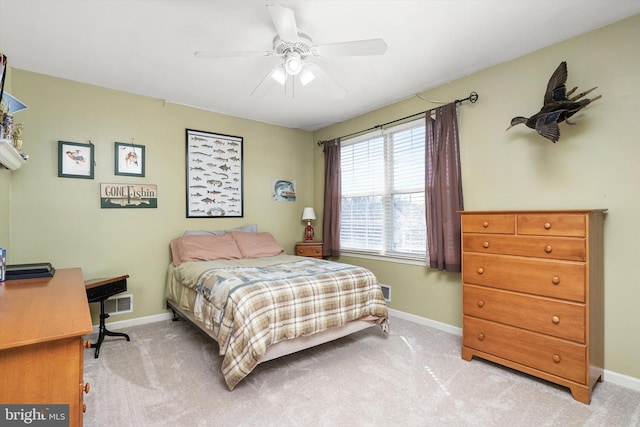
pixel 119 304
pixel 386 292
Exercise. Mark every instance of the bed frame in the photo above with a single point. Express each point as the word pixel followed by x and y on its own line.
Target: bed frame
pixel 281 348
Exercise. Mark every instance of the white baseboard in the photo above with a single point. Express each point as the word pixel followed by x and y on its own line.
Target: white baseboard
pixel 427 322
pixel 135 322
pixel 609 376
pixel 622 380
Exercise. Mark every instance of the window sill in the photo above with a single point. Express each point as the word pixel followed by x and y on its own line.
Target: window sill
pixel 385 258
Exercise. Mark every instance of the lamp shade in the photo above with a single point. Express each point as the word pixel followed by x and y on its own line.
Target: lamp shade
pixel 293 63
pixel 306 76
pixel 279 74
pixel 308 214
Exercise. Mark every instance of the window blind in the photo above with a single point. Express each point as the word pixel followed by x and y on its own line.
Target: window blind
pixel 383 192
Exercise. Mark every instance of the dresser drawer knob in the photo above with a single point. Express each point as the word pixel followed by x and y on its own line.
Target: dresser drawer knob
pixel 556 358
pixel 480 336
pixel 84 407
pixel 555 320
pixel 485 224
pixel 547 226
pixel 485 245
pixel 480 270
pixel 548 249
pixel 86 388
pixel 87 344
pixel 480 303
pixel 555 280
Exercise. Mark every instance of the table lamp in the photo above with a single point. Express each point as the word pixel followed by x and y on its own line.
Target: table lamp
pixel 307 215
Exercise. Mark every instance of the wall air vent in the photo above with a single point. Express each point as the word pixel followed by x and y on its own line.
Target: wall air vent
pixel 386 292
pixel 119 304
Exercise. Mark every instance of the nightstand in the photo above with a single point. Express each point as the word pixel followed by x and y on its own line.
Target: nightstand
pixel 309 249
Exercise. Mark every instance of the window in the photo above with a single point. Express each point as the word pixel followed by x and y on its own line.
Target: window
pixel 383 211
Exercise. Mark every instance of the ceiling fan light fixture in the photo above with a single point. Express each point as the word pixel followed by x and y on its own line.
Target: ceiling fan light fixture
pixel 279 75
pixel 293 63
pixel 296 52
pixel 306 76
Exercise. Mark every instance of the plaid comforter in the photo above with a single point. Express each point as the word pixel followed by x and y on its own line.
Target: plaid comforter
pixel 255 307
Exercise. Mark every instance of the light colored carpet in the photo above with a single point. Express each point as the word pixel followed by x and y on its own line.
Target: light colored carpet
pixel 169 375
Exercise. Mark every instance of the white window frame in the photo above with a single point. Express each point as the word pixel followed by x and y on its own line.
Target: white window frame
pixel 387 253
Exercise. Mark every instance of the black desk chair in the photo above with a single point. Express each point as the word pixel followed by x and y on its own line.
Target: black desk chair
pixel 99 290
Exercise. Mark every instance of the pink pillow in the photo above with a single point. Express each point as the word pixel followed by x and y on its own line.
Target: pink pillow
pixel 256 245
pixel 204 248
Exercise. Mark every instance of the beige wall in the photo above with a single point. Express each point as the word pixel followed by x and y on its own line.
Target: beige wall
pixel 60 219
pixel 594 165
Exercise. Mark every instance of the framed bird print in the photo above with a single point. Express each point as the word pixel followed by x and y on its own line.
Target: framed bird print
pixel 75 160
pixel 214 175
pixel 129 159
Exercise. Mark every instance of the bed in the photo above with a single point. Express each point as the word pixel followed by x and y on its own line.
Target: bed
pixel 257 303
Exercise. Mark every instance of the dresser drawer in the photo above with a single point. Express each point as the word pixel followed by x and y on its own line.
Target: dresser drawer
pixel 568 225
pixel 489 223
pixel 572 249
pixel 313 250
pixel 551 278
pixel 556 356
pixel 552 317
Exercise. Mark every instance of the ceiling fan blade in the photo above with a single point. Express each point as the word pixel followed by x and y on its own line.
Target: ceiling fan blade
pixel 232 53
pixel 265 84
pixel 336 90
pixel 285 22
pixel 351 48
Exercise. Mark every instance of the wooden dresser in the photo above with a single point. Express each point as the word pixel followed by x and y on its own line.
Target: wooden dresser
pixel 42 323
pixel 533 296
pixel 309 249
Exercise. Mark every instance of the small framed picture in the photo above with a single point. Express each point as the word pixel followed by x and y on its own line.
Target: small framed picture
pixel 75 160
pixel 129 159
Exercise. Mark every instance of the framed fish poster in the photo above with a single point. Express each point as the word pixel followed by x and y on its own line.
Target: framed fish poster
pixel 214 175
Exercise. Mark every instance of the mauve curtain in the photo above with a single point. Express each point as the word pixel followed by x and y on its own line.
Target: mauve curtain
pixel 443 189
pixel 332 199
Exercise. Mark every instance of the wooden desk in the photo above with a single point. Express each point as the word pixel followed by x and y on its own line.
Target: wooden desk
pixel 42 324
pixel 99 290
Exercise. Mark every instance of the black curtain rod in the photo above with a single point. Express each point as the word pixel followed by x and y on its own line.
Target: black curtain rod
pixel 473 97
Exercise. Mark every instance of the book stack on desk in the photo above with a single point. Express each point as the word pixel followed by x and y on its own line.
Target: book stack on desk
pixel 29 271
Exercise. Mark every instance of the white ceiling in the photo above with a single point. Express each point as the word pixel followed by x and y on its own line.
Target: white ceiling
pixel 147 47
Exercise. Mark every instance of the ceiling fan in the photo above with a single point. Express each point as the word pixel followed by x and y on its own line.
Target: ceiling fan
pixel 298 51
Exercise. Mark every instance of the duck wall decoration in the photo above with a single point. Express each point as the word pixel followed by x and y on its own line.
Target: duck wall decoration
pixel 558 106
